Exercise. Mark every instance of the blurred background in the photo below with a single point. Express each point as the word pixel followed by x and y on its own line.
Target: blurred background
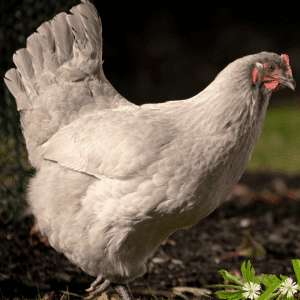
pixel 167 51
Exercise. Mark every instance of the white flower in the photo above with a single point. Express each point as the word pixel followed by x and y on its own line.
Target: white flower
pixel 288 287
pixel 251 290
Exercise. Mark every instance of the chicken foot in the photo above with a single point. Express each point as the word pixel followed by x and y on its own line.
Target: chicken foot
pixel 122 289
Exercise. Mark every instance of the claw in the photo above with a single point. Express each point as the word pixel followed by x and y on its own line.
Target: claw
pixel 89 297
pixel 90 289
pixel 122 289
pixel 100 289
pixel 96 282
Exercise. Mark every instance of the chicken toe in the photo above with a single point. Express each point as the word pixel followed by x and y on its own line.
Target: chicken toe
pixel 98 280
pixel 122 289
pixel 100 289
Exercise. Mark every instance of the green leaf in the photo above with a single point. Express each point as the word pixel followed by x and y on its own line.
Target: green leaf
pixel 273 296
pixel 279 297
pixel 230 277
pixel 296 266
pixel 283 278
pixel 248 272
pixel 272 286
pixel 269 279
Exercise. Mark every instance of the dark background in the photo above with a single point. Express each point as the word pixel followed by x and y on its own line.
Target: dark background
pixel 158 52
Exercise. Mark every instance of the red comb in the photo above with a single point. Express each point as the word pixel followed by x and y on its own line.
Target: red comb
pixel 287 63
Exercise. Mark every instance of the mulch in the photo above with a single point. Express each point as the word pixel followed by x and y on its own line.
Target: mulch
pixel 263 206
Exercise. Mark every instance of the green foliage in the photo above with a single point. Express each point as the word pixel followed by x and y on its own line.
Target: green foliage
pixel 248 272
pixel 283 288
pixel 278 146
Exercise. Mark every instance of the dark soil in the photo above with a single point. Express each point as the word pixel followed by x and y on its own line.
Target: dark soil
pixel 270 209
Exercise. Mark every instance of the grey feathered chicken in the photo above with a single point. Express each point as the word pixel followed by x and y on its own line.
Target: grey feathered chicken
pixel 114 179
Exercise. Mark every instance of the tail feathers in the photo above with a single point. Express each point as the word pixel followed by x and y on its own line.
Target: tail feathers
pixel 15 84
pixel 59 76
pixel 67 48
pixel 20 81
pixel 91 23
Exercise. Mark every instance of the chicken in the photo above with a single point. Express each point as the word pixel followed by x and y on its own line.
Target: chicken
pixel 114 179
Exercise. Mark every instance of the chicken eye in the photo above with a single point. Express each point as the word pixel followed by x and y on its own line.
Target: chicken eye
pixel 271 67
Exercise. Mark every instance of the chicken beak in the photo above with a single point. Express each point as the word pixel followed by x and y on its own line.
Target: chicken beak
pixel 289 82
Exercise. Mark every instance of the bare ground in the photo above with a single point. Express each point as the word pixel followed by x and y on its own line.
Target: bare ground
pixel 266 204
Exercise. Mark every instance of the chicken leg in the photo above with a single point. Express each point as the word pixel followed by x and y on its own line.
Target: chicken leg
pixel 122 289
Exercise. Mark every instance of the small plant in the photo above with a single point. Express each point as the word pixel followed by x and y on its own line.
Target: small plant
pixel 275 288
